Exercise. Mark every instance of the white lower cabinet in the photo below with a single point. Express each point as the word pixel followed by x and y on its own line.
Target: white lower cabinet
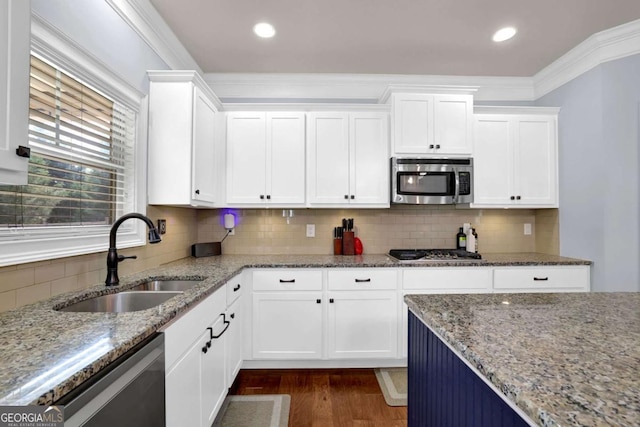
pixel 203 352
pixel 362 324
pixel 542 279
pixel 287 325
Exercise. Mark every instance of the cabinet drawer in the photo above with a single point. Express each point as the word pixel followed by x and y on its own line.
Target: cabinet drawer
pixel 447 280
pixel 287 279
pixel 542 279
pixel 362 278
pixel 180 334
pixel 234 289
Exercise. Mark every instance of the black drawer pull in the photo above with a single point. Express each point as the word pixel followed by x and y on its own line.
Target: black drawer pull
pixel 288 281
pixel 331 300
pixel 236 288
pixel 540 279
pixel 226 326
pixel 318 301
pixel 363 280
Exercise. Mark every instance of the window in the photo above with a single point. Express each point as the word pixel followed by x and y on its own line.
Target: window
pixel 82 146
pixel 87 134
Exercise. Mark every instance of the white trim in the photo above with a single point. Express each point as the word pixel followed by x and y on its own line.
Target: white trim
pixel 180 76
pixel 30 245
pixel 306 107
pixel 357 88
pixel 53 45
pixel 614 43
pixel 145 20
pixel 498 109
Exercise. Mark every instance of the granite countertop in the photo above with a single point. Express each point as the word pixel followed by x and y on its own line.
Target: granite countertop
pixel 570 359
pixel 47 353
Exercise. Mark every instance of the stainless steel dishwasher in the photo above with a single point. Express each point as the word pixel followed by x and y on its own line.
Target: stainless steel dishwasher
pixel 130 394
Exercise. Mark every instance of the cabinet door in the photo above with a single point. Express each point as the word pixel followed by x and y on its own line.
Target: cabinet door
pixel 286 158
pixel 182 395
pixel 452 124
pixel 213 372
pixel 493 160
pixel 203 171
pixel 535 161
pixel 369 151
pixel 246 158
pixel 412 116
pixel 328 158
pixel 287 325
pixel 234 341
pixel 14 89
pixel 363 324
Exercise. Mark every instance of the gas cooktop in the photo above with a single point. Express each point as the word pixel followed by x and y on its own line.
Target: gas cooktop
pixel 433 255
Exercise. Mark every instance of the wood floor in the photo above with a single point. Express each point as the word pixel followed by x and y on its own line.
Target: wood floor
pixel 325 397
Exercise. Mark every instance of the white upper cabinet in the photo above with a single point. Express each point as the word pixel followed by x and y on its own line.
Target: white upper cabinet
pixel 435 124
pixel 182 140
pixel 515 158
pixel 348 159
pixel 265 159
pixel 15 27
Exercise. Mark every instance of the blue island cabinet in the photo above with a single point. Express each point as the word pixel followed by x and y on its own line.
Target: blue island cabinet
pixel 444 391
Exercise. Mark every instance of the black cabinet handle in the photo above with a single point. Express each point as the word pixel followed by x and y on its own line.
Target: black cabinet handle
pixel 430 145
pixel 331 300
pixel 269 196
pixel 346 196
pixel 236 288
pixel 226 326
pixel 262 197
pixel 437 145
pixel 518 197
pixel 363 280
pixel 318 301
pixel 512 198
pixel 288 281
pixel 540 279
pixel 197 191
pixel 353 197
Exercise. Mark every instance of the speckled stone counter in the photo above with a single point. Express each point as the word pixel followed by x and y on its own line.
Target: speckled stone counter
pixel 565 359
pixel 45 353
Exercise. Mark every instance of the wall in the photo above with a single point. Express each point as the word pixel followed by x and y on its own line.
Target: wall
pixel 26 283
pixel 262 231
pixel 97 28
pixel 599 163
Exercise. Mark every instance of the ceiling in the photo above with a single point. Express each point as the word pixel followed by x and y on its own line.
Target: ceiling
pixel 426 37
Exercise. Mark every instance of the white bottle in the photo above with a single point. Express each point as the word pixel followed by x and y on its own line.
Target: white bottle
pixel 471 241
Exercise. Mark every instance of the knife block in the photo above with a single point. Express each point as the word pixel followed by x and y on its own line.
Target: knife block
pixel 348 243
pixel 337 246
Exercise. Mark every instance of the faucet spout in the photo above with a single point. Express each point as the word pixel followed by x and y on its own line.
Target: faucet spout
pixel 112 255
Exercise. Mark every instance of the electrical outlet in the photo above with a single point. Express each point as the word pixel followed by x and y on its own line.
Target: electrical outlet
pixel 162 226
pixel 232 232
pixel 311 230
pixel 527 229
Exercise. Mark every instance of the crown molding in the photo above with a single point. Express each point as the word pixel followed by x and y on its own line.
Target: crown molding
pixel 502 109
pixel 358 88
pixel 608 45
pixel 145 20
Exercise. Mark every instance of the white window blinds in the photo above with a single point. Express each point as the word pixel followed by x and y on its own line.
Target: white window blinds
pixel 82 156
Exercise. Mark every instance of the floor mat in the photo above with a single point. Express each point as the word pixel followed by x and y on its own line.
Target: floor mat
pixel 257 410
pixel 393 383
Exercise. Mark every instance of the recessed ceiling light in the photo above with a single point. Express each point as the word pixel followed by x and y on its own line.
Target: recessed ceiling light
pixel 504 34
pixel 264 30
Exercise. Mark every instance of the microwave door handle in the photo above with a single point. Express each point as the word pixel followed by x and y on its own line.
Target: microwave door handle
pixel 457 192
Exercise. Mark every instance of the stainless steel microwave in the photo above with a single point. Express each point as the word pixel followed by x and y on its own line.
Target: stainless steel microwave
pixel 441 181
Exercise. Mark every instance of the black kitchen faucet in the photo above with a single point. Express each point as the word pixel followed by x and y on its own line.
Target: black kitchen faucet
pixel 113 258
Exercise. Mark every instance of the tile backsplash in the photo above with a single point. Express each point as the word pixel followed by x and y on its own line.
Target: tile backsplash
pixel 265 231
pixel 26 283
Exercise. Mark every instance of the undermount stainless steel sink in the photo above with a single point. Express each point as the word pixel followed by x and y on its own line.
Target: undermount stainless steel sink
pixel 121 302
pixel 166 285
